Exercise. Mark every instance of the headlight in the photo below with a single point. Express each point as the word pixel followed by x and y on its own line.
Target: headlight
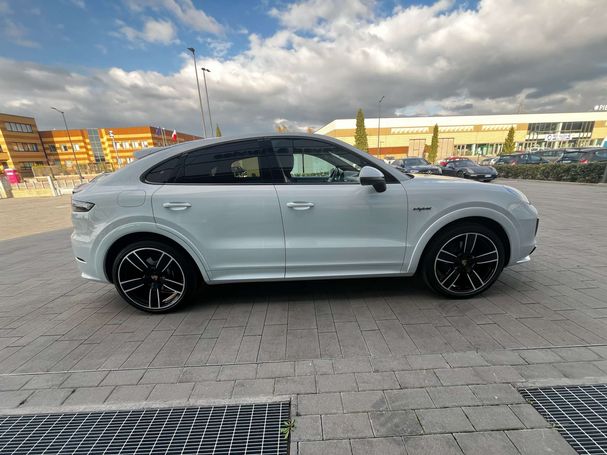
pixel 81 206
pixel 413 171
pixel 517 193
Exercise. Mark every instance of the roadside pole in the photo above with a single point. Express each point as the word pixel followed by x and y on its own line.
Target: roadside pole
pixel 604 179
pixel 111 134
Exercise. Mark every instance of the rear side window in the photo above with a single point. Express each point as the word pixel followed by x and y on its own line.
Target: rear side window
pixel 238 162
pixel 600 156
pixel 164 172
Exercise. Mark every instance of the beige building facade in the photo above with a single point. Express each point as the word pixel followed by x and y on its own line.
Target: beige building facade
pixel 474 135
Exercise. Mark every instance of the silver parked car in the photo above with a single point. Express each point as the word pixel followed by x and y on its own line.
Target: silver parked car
pixel 289 207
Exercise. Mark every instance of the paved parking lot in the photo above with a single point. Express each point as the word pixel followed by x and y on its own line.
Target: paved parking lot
pixel 372 366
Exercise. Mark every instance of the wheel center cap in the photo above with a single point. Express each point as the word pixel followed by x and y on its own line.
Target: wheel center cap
pixel 154 277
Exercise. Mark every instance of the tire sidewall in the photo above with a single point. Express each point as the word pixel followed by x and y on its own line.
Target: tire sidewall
pixel 439 241
pixel 184 262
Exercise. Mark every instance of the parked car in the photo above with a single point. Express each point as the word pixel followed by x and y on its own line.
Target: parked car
pixel 306 207
pixel 488 161
pixel 415 165
pixel 583 156
pixel 444 161
pixel 550 155
pixel 520 158
pixel 468 169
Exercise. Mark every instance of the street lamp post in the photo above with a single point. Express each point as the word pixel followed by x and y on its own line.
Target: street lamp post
pixel 204 76
pixel 67 130
pixel 204 125
pixel 379 126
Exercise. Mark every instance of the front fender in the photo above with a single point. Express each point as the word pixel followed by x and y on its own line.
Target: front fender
pixel 433 225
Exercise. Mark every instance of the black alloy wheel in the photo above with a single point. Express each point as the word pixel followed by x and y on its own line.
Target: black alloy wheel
pixel 154 277
pixel 463 260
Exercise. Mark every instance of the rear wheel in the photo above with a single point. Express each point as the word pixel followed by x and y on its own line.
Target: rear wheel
pixel 463 260
pixel 153 276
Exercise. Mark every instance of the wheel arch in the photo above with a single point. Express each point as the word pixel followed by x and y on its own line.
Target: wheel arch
pixel 503 228
pixel 132 237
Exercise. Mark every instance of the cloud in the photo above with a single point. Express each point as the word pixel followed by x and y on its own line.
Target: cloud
pixel 436 59
pixel 183 11
pixel 154 31
pixel 79 3
pixel 17 33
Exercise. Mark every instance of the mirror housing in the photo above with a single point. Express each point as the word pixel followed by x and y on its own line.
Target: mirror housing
pixel 370 176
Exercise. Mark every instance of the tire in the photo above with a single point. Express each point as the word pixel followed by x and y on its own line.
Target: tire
pixel 153 276
pixel 460 174
pixel 463 261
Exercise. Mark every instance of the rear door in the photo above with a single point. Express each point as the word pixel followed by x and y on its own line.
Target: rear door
pixel 333 225
pixel 223 201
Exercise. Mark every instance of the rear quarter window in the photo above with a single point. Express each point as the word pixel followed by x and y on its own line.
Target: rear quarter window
pixel 164 172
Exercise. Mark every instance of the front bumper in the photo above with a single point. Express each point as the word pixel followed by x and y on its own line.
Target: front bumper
pixel 482 177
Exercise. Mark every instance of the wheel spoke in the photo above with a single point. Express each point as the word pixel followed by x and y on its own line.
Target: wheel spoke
pixel 159 302
pixel 473 243
pixel 167 265
pixel 170 288
pixel 174 282
pixel 130 281
pixel 145 264
pixel 157 266
pixel 150 297
pixel 470 279
pixel 132 289
pixel 445 261
pixel 486 262
pixel 486 254
pixel 133 264
pixel 479 278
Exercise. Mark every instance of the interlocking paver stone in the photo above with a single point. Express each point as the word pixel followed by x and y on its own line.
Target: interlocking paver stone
pixel 363 401
pixel 533 442
pixel 482 443
pixel 444 397
pixel 496 394
pixel 376 381
pixel 485 418
pixel 325 447
pixel 295 385
pixel 307 428
pixel 342 426
pixel 383 446
pixel 529 416
pixel 418 378
pixel 321 403
pixel 395 423
pixel 436 444
pixel 409 399
pixel 253 387
pixel 447 420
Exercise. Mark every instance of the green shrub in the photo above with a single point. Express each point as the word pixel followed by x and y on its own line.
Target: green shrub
pixel 583 173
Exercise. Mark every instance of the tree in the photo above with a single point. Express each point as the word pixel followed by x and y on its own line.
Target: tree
pixel 360 137
pixel 433 145
pixel 217 131
pixel 509 144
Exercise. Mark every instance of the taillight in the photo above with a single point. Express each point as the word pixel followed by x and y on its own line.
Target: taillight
pixel 81 206
pixel 584 161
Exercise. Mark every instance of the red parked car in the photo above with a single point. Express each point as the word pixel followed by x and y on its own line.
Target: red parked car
pixel 444 161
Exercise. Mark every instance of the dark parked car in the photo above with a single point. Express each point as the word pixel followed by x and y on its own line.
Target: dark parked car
pixel 520 158
pixel 415 165
pixel 551 155
pixel 583 156
pixel 468 169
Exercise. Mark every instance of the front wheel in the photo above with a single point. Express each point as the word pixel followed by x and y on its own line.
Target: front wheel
pixel 463 261
pixel 153 276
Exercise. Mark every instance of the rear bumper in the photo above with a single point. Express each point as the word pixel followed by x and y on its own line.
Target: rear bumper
pixel 85 260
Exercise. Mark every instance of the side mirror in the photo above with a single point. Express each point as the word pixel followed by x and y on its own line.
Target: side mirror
pixel 371 176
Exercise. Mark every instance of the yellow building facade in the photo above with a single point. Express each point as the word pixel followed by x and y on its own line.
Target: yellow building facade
pixel 23 146
pixel 20 143
pixel 474 135
pixel 111 146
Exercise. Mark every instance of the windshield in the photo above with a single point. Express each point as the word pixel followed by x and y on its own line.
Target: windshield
pixel 463 163
pixel 416 162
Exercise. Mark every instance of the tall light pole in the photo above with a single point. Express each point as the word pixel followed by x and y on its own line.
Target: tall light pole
pixel 204 76
pixel 204 125
pixel 67 130
pixel 379 126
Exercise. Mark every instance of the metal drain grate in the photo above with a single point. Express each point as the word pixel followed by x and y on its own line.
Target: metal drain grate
pixel 238 429
pixel 579 413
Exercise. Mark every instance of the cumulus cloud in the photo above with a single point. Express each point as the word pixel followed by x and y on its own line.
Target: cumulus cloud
pixel 154 31
pixel 434 59
pixel 17 33
pixel 182 10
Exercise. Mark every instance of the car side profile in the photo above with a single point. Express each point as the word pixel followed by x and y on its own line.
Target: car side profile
pixel 289 207
pixel 468 169
pixel 520 158
pixel 416 165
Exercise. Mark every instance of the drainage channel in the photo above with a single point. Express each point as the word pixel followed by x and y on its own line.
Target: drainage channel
pixel 579 413
pixel 231 429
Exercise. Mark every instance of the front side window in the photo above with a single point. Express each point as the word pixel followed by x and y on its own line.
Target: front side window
pixel 307 161
pixel 463 163
pixel 416 162
pixel 237 162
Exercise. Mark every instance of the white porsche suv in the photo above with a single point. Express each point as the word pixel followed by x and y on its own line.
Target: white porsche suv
pixel 289 207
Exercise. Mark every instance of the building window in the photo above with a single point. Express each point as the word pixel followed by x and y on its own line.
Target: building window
pixel 64 147
pixel 76 147
pixel 25 147
pixel 52 148
pixel 18 127
pixel 541 128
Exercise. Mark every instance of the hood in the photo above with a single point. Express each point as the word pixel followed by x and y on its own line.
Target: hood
pixel 422 166
pixel 482 169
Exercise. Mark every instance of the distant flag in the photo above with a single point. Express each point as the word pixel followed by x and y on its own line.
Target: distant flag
pixel 158 131
pixel 174 135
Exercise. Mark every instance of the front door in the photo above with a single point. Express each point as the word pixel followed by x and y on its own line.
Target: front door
pixel 223 201
pixel 333 225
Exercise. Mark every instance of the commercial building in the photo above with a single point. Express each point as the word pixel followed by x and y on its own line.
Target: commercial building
pixel 474 135
pixel 20 144
pixel 113 146
pixel 23 146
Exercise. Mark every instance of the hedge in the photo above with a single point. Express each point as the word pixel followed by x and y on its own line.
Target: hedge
pixel 584 173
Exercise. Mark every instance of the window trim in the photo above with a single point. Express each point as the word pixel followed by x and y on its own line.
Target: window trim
pixel 390 179
pixel 263 143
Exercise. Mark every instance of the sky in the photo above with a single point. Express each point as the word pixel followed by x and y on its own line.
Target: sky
pixel 301 64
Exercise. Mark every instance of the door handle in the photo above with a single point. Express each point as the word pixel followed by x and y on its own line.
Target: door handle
pixel 177 205
pixel 300 205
